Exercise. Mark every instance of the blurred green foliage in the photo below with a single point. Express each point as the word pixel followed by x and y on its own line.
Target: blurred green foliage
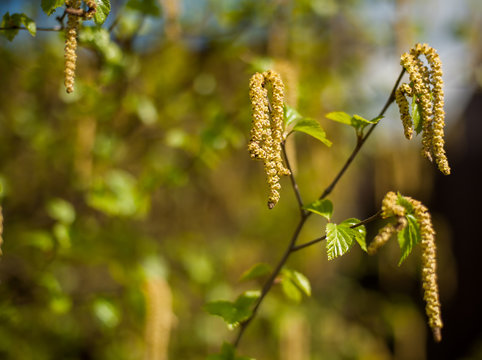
pixel 142 173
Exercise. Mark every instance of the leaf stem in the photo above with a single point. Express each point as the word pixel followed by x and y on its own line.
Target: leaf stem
pixel 269 283
pixel 56 28
pixel 293 180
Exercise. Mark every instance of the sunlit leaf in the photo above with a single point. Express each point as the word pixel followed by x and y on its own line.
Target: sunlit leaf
pixel 313 128
pixel 359 232
pixel 340 237
pixel 49 6
pixel 356 121
pixel 256 271
pixel 321 207
pixel 103 10
pixel 408 237
pixel 340 116
pixel 360 121
pixel 416 115
pixel 291 115
pixel 401 200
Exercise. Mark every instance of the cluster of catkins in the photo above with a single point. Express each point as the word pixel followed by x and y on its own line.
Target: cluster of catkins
pixel 71 33
pixel 392 208
pixel 426 87
pixel 267 130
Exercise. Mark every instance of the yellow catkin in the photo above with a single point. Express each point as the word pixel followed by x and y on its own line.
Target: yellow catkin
pixel 385 233
pixel 429 268
pixel 71 46
pixel 267 130
pixel 390 207
pixel 422 91
pixel 427 88
pixel 438 104
pixel 402 102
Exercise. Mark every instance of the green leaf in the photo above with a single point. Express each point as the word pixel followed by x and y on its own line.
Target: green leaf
pixel 291 116
pixel 360 232
pixel 416 115
pixel 15 21
pixel 49 6
pixel 359 121
pixel 291 291
pixel 339 238
pixel 321 207
pixel 146 7
pixel 340 116
pixel 228 352
pixel 409 237
pixel 256 271
pixel 61 211
pixel 103 10
pixel 293 283
pixel 312 128
pixel 356 121
pixel 234 312
pixel 302 282
pixel 401 200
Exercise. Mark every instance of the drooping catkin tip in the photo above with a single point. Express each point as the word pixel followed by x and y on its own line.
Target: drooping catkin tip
pixel 437 334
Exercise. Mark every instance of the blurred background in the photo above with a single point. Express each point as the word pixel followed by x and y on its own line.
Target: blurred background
pixel 132 202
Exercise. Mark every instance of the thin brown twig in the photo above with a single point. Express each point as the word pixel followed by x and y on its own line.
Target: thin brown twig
pixel 362 140
pixel 305 215
pixel 293 180
pixel 269 283
pixel 55 28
